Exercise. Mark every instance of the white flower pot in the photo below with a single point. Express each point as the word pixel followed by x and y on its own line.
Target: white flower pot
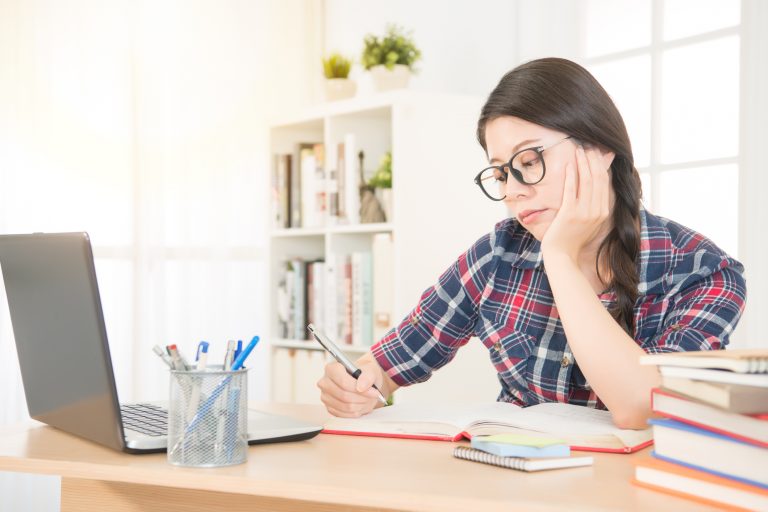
pixel 386 79
pixel 384 195
pixel 339 88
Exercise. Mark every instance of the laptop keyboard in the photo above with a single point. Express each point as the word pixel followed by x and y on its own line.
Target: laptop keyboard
pixel 148 419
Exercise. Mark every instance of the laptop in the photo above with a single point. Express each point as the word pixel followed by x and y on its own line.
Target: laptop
pixel 61 340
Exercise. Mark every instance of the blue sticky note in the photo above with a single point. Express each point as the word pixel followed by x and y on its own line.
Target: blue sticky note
pixel 515 450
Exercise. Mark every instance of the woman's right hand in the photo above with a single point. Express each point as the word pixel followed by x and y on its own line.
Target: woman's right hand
pixel 345 396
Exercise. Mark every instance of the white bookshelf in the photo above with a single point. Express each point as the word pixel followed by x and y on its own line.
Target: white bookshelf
pixel 436 214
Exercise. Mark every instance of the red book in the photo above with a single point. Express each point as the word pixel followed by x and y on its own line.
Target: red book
pixel 582 428
pixel 700 486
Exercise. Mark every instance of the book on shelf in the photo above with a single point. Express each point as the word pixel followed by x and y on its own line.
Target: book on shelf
pixel 312 186
pixel 362 299
pixel 735 360
pixel 292 302
pixel 730 397
pixel 581 427
pixel 518 463
pixel 351 179
pixel 281 190
pixel 720 376
pixel 700 486
pixel 749 428
pixel 346 319
pixel 382 249
pixel 697 448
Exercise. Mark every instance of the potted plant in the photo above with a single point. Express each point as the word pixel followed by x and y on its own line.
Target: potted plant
pixel 337 84
pixel 391 58
pixel 381 181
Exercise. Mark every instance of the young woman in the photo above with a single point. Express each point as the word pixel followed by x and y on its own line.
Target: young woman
pixel 578 283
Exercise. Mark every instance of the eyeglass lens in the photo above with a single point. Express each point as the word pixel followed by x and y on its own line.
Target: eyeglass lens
pixel 527 168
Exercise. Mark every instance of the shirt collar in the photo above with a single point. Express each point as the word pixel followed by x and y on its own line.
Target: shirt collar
pixel 529 255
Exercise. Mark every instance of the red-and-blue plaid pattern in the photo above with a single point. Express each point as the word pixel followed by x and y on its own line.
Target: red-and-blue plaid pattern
pixel 691 295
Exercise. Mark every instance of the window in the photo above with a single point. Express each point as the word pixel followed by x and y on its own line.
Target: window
pixel 672 67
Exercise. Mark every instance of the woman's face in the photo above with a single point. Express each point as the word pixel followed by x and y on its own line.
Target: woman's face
pixel 534 206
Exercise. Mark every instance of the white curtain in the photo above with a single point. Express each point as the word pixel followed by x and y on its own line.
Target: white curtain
pixel 145 124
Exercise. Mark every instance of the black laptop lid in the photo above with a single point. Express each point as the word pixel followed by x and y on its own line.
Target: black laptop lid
pixel 60 335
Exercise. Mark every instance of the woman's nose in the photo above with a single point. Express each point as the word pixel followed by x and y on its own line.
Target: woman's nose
pixel 514 189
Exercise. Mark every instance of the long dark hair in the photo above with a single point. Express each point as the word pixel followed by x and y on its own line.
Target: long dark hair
pixel 561 95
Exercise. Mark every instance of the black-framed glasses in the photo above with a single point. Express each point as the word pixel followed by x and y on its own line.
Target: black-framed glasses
pixel 526 166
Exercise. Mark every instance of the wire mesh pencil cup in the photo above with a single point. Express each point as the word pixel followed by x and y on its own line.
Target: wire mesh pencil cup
pixel 208 417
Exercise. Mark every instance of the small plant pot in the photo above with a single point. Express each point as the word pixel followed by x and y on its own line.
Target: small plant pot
pixel 339 88
pixel 384 195
pixel 387 79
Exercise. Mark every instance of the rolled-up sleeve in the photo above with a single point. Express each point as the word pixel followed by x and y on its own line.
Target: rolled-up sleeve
pixel 443 320
pixel 705 311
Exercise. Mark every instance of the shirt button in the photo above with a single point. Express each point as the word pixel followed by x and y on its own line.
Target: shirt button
pixel 414 320
pixel 565 362
pixel 497 346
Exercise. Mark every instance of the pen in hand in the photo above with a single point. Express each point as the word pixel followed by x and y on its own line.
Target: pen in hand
pixel 339 356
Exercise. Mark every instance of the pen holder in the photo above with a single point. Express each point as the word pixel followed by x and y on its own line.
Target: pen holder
pixel 208 418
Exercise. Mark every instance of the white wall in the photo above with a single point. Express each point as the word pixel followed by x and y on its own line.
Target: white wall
pixel 144 123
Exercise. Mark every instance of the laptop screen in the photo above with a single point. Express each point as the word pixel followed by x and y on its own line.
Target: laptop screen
pixel 60 335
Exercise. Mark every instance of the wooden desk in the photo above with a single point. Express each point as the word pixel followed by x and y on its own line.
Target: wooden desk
pixel 327 473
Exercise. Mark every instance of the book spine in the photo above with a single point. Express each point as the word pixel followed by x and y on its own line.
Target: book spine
pixel 331 299
pixel 366 299
pixel 357 298
pixel 383 279
pixel 352 180
pixel 347 299
pixel 308 185
pixel 319 293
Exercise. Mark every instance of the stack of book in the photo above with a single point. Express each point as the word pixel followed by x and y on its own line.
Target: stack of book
pixel 349 296
pixel 711 442
pixel 521 452
pixel 309 190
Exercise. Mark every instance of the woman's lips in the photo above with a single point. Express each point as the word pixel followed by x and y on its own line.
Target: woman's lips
pixel 529 216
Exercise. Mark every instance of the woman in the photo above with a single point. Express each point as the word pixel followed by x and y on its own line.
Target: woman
pixel 581 281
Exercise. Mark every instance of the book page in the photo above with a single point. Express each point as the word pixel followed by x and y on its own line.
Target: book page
pixel 568 420
pixel 406 418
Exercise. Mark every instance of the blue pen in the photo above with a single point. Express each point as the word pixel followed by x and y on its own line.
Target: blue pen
pixel 244 354
pixel 239 348
pixel 202 355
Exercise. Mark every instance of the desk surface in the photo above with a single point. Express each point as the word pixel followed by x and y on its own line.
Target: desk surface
pixel 347 471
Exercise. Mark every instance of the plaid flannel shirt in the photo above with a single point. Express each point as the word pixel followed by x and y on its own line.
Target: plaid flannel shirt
pixel 691 295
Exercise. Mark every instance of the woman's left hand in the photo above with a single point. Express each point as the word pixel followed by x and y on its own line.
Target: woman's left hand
pixel 586 204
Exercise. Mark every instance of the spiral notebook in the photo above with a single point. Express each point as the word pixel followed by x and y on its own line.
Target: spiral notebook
pixel 471 454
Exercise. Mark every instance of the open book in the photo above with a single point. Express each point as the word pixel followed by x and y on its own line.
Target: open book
pixel 583 428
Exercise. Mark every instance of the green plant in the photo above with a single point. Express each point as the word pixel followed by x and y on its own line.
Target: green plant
pixel 396 47
pixel 382 178
pixel 336 66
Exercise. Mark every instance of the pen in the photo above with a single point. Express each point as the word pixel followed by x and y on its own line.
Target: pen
pixel 162 355
pixel 239 348
pixel 176 360
pixel 244 354
pixel 202 355
pixel 229 356
pixel 339 356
